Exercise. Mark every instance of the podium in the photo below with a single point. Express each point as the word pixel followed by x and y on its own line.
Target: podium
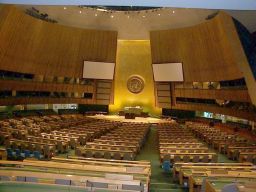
pixel 132 112
pixel 136 110
pixel 129 116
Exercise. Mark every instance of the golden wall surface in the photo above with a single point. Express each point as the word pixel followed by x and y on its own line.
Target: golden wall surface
pixel 134 58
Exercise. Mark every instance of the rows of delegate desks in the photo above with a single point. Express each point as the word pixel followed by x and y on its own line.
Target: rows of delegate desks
pixel 79 173
pixel 51 134
pixel 123 142
pixel 233 145
pixel 214 177
pixel 195 175
pixel 195 170
pixel 177 144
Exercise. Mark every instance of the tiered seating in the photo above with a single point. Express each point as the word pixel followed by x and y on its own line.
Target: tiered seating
pixel 194 175
pixel 88 175
pixel 233 145
pixel 177 144
pixel 123 142
pixel 49 134
pixel 198 176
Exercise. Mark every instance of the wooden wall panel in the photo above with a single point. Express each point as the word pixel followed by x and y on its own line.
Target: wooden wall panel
pixel 225 94
pixel 104 92
pixel 163 95
pixel 216 109
pixel 9 85
pixel 205 50
pixel 30 45
pixel 26 100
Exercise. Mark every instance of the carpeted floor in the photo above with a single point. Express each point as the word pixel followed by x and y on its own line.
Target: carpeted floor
pixel 160 181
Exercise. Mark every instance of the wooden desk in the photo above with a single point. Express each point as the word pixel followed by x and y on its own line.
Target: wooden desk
pixel 178 166
pixel 214 185
pixel 183 150
pixel 186 172
pixel 244 155
pixel 191 155
pixel 196 180
pixel 233 151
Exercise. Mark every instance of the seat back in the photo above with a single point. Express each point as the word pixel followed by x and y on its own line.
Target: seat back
pixel 186 159
pixel 214 159
pixel 88 154
pixel 195 159
pixel 31 179
pixel 107 155
pixel 166 166
pixel 18 152
pixel 177 158
pixel 117 156
pixel 5 178
pixel 205 159
pixel 37 154
pixel 26 153
pixel 98 155
pixel 230 188
pixel 62 182
pixel 249 158
pixel 127 157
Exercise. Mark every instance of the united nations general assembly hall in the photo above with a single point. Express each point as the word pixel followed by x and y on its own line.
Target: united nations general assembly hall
pixel 129 96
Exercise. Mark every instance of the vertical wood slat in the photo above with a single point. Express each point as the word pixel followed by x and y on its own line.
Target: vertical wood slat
pixel 205 50
pixel 34 46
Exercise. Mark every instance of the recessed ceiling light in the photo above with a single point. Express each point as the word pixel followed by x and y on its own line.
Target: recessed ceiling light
pixel 96 14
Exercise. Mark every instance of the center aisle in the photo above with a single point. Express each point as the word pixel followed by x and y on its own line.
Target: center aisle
pixel 160 181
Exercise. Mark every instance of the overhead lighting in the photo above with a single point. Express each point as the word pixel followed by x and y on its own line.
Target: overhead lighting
pixel 96 14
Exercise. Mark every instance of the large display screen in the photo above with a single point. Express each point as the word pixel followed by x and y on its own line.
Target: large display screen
pixel 98 70
pixel 168 72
